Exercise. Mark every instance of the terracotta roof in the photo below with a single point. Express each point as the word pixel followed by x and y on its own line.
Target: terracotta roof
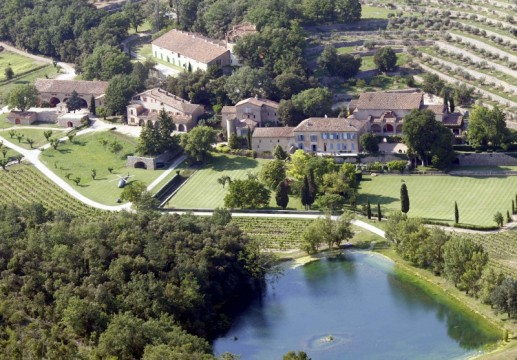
pixel 329 124
pixel 437 109
pixel 259 102
pixel 192 46
pixel 67 86
pixel 172 100
pixel 273 132
pixel 455 119
pixel 246 122
pixel 228 110
pixel 387 100
pixel 31 115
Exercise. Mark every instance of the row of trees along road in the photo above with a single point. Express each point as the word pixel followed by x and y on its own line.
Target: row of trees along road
pixel 120 285
pixel 455 257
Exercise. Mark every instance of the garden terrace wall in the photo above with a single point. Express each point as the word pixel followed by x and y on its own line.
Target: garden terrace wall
pixel 494 159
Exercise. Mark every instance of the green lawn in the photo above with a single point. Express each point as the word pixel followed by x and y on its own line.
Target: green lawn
pixel 20 64
pixel 371 12
pixel 36 135
pixel 346 49
pixel 146 26
pixel 87 153
pixel 367 63
pixel 433 197
pixel 48 71
pixel 202 191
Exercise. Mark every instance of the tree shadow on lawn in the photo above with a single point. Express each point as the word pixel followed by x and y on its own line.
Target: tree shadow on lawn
pixel 374 199
pixel 64 151
pixel 223 163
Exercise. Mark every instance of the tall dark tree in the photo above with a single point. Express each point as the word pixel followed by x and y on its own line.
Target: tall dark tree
pixel 93 108
pixel 149 141
pixel 166 128
pixel 313 188
pixel 305 193
pixel 452 106
pixel 379 215
pixel 280 153
pixel 404 199
pixel 456 213
pixel 281 195
pixel 369 210
pixel 74 102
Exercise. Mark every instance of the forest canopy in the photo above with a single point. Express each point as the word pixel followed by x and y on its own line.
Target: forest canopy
pixel 127 285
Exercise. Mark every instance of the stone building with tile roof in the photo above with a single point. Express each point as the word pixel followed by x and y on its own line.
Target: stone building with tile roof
pixel 330 136
pixel 383 112
pixel 58 91
pixel 146 106
pixel 249 113
pixel 267 138
pixel 185 49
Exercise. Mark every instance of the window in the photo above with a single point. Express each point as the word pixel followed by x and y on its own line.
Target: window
pixel 331 136
pixel 353 147
pixel 331 147
pixel 260 141
pixel 300 146
pixel 132 112
pixel 300 138
pixel 344 147
pixel 324 136
pixel 314 138
pixel 339 146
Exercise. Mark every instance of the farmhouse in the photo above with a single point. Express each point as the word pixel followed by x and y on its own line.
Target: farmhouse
pixel 267 138
pixel 249 113
pixel 331 136
pixel 383 112
pixel 54 92
pixel 190 51
pixel 146 106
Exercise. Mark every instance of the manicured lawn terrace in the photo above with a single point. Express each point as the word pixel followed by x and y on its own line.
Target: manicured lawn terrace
pixel 371 12
pixel 202 191
pixel 433 197
pixel 20 64
pixel 87 153
pixel 145 50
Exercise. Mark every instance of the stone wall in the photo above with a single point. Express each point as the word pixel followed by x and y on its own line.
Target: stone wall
pixel 371 159
pixel 148 163
pixel 486 159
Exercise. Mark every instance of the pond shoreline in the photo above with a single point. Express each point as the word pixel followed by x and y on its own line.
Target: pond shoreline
pixel 440 288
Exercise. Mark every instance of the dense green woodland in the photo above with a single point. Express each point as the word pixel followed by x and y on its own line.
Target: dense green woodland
pixel 126 285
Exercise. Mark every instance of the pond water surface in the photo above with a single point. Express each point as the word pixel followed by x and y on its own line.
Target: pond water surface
pixel 354 306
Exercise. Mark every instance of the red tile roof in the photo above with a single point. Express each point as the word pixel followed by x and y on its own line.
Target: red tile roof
pixel 259 102
pixel 95 88
pixel 329 124
pixel 192 46
pixel 171 100
pixel 389 100
pixel 273 132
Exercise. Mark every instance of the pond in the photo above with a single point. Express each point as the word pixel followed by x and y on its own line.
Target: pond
pixel 354 306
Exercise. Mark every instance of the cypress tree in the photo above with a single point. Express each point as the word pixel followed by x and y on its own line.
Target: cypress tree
pixel 451 104
pixel 379 215
pixel 446 100
pixel 508 217
pixel 304 195
pixel 404 199
pixel 280 153
pixel 281 195
pixel 93 110
pixel 313 190
pixel 369 210
pixel 249 138
pixel 456 213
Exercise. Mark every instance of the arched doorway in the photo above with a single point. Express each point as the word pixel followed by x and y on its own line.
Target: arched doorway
pixel 182 128
pixel 141 122
pixel 140 165
pixel 399 129
pixel 54 101
pixel 388 128
pixel 84 103
pixel 376 128
pixel 69 124
pixel 17 121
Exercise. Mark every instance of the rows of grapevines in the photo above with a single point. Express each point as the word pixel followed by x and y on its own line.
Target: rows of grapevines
pixel 502 249
pixel 274 234
pixel 24 184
